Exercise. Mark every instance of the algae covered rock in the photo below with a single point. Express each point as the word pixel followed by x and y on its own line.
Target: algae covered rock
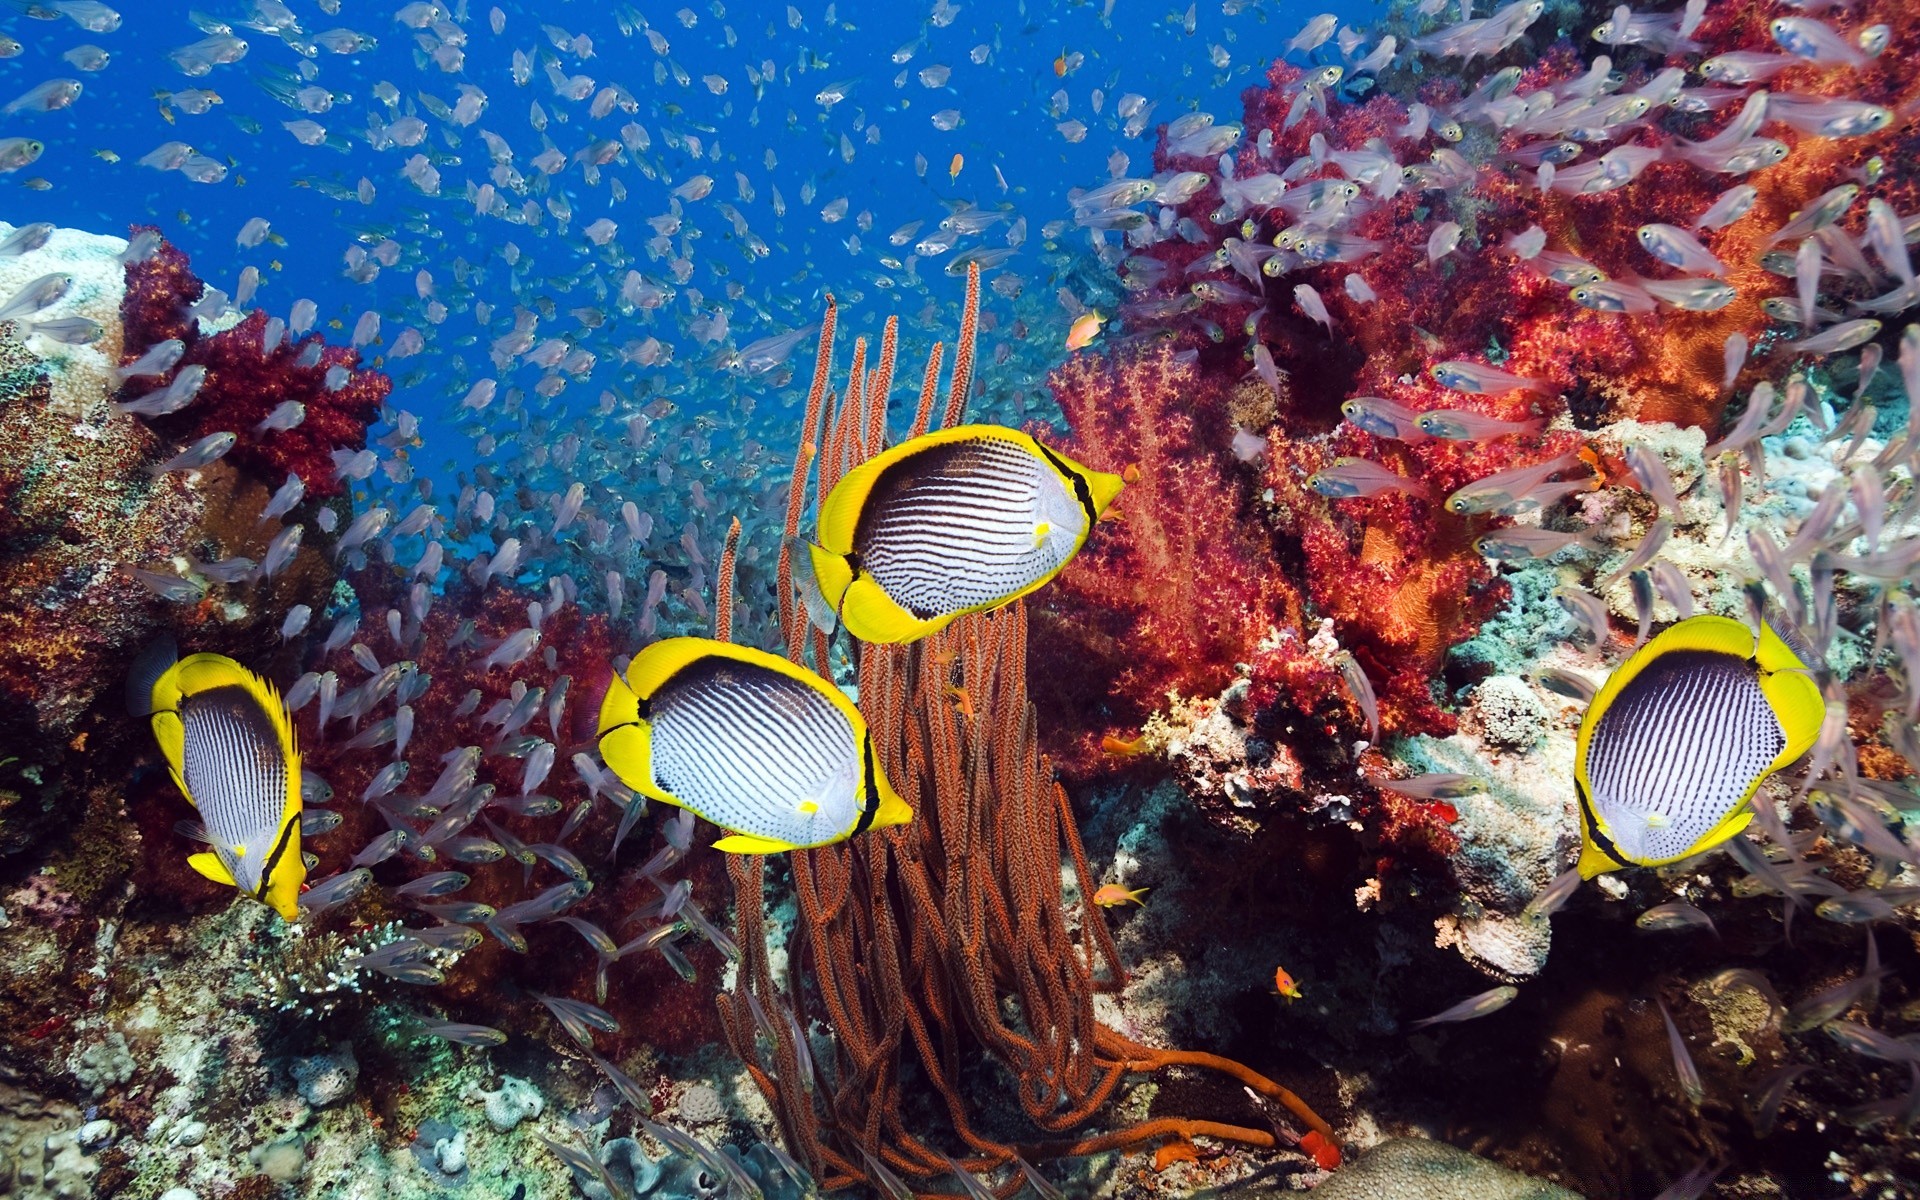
pixel 1417 1169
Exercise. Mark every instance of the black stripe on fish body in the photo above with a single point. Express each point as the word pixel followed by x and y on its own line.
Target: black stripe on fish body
pixel 1082 491
pixel 1594 833
pixel 274 856
pixel 870 786
pixel 1686 739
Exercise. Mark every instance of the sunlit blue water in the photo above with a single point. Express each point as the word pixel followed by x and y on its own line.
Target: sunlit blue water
pixel 778 135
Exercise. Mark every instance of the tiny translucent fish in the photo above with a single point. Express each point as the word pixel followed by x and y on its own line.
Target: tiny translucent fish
pixel 208 449
pixel 1479 379
pixel 465 1035
pixel 1438 786
pixel 1351 478
pixel 331 893
pixel 1565 683
pixel 1460 425
pixel 1358 686
pixel 295 622
pixel 1677 914
pixel 1729 206
pixel 1552 898
pixel 1683 1064
pixel 1487 1002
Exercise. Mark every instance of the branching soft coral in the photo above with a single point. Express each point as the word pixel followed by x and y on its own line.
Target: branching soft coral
pixel 1179 589
pixel 244 382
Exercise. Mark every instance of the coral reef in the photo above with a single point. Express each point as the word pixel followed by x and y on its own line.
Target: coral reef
pixel 246 379
pixel 1415 1169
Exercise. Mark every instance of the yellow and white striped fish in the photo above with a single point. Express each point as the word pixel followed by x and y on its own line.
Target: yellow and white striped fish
pixel 229 744
pixel 1678 740
pixel 765 749
pixel 959 521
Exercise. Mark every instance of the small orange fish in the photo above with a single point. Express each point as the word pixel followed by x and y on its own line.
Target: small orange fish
pixel 1119 749
pixel 953 168
pixel 961 700
pixel 1285 984
pixel 1085 328
pixel 1131 474
pixel 1112 895
pixel 1060 65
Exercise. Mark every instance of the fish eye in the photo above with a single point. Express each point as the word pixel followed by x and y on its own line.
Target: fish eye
pixel 1456 506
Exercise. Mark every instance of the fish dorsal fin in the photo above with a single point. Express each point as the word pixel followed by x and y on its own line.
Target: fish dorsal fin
pixel 193 831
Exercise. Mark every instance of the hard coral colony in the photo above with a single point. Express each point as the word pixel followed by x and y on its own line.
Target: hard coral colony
pixel 1487 514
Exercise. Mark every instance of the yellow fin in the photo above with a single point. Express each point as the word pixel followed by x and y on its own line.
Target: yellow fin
pixel 741 843
pixel 1739 819
pixel 873 616
pixel 209 864
pixel 1793 695
pixel 809 807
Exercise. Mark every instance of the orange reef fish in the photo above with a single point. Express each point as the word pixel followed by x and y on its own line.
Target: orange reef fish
pixel 1124 749
pixel 953 168
pixel 1085 328
pixel 1112 895
pixel 1285 985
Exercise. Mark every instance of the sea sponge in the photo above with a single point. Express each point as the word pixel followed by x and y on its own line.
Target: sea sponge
pixel 513 1102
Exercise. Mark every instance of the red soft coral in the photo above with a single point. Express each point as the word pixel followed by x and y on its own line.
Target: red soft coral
pixel 1180 588
pixel 243 384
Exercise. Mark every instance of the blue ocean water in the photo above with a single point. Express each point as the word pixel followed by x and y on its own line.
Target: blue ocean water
pixel 1014 73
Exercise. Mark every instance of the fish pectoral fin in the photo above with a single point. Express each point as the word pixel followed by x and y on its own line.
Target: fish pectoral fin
pixel 1041 532
pixel 822 580
pixel 809 807
pixel 209 864
pixel 743 843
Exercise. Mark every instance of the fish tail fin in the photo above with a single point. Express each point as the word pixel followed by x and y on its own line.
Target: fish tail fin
pixel 148 667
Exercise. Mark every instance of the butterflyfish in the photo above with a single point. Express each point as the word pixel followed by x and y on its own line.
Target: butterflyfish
pixel 767 750
pixel 1679 738
pixel 229 744
pixel 959 521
